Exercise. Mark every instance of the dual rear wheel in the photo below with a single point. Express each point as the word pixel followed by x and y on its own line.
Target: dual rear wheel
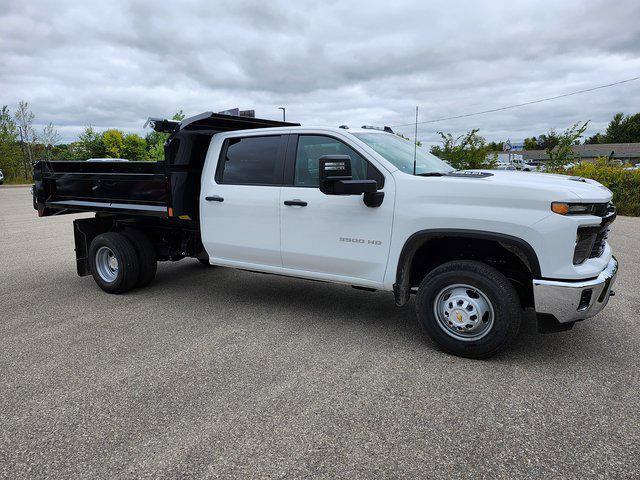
pixel 121 261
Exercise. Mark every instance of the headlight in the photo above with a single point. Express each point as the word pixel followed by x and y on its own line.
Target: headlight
pixel 564 208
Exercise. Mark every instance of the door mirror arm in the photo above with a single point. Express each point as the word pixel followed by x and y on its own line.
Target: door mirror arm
pixel 373 199
pixel 353 187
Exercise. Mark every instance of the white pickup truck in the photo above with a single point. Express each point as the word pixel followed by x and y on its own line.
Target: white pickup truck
pixel 347 206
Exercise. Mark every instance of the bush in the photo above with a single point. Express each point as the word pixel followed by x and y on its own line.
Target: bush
pixel 464 152
pixel 625 184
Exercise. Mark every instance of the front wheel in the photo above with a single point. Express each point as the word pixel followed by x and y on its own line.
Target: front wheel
pixel 468 308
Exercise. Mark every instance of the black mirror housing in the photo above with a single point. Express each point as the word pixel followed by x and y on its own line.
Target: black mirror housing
pixel 336 178
pixel 333 168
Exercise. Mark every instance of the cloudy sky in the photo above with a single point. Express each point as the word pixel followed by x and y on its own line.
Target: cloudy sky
pixel 112 64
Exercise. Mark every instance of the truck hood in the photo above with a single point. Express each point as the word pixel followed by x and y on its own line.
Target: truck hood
pixel 583 189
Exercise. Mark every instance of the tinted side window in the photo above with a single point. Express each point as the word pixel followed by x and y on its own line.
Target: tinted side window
pixel 251 161
pixel 312 147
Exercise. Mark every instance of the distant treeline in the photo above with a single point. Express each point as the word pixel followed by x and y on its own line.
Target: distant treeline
pixel 621 129
pixel 21 144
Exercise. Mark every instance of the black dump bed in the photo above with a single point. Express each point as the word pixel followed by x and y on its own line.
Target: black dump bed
pixel 162 189
pixel 132 187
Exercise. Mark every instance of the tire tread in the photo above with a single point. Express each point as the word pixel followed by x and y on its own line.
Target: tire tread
pixel 146 256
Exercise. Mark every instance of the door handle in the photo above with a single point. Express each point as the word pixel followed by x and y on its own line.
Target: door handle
pixel 296 202
pixel 214 198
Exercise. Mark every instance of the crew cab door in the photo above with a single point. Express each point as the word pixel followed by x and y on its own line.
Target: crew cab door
pixel 335 237
pixel 239 205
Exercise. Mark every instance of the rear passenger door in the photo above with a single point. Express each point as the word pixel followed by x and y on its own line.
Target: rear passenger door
pixel 240 214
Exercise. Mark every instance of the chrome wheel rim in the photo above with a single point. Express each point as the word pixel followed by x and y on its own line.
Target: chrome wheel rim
pixel 107 264
pixel 464 312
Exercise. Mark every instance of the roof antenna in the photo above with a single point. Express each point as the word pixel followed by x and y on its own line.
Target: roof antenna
pixel 415 143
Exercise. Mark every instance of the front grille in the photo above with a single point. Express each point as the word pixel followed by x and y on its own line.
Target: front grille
pixel 599 243
pixel 591 241
pixel 584 244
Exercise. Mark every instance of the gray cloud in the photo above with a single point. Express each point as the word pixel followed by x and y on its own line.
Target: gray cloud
pixel 112 64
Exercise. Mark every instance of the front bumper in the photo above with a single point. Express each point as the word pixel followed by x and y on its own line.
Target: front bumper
pixel 571 301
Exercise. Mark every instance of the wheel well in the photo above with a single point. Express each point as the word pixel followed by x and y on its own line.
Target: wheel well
pixel 512 260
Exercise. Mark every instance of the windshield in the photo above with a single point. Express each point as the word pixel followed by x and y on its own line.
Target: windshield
pixel 400 152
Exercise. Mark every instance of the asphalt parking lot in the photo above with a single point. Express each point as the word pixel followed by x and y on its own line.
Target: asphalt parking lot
pixel 221 373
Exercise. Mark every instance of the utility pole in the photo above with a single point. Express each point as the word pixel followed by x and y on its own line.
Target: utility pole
pixel 284 113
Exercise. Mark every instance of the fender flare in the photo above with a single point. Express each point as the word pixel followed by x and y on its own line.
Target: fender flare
pixel 402 288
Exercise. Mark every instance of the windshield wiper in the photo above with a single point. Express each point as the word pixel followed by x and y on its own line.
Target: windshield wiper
pixel 431 174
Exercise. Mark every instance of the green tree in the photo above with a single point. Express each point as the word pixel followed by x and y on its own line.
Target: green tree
pixel 67 151
pixel 134 147
pixel 594 139
pixel 89 145
pixel 623 129
pixel 27 137
pixel 155 145
pixel 8 128
pixel 156 152
pixel 562 153
pixel 10 154
pixel 548 140
pixel 495 146
pixel 113 141
pixel 466 151
pixel 615 130
pixel 49 138
pixel 531 143
pixel 63 151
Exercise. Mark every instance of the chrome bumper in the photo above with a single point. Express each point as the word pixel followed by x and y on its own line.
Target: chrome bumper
pixel 570 301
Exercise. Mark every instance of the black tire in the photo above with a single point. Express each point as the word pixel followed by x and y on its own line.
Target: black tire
pixel 128 268
pixel 146 256
pixel 496 288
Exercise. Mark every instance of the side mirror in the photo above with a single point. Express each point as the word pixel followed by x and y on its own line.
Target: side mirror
pixel 336 179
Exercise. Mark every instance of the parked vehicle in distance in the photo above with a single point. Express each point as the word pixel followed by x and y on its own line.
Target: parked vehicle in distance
pixel 523 166
pixel 347 206
pixel 1 177
pixel 503 165
pixel 505 161
pixel 537 165
pixel 502 161
pixel 107 160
